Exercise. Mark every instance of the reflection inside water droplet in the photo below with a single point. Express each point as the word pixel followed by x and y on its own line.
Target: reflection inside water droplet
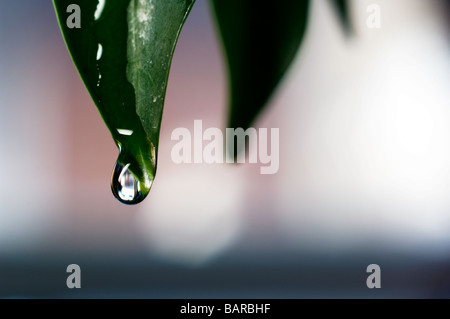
pixel 125 186
pixel 134 171
pixel 131 181
pixel 128 186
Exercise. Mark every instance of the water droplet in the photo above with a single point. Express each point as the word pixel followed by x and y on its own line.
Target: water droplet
pixel 125 186
pixel 130 184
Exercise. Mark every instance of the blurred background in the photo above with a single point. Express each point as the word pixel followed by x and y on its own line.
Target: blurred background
pixel 364 168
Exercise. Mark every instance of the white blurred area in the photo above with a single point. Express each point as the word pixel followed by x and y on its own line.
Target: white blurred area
pixel 369 164
pixel 364 141
pixel 34 186
pixel 194 213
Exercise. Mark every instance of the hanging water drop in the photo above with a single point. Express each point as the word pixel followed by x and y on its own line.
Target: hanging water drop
pixel 126 185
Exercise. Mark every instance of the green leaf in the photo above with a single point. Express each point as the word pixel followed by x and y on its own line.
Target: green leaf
pixel 123 53
pixel 260 42
pixel 342 8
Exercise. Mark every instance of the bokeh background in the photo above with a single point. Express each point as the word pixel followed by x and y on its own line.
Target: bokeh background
pixel 364 168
